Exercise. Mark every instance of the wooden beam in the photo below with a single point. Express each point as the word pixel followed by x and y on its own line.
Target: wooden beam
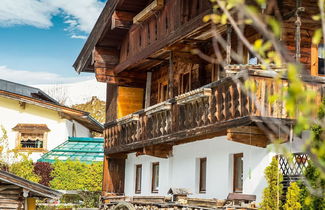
pixel 250 135
pixel 127 79
pixel 105 57
pixel 122 20
pixel 148 11
pixel 160 151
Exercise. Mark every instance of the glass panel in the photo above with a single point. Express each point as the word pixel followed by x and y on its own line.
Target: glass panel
pixel 238 172
pixel 138 178
pixel 203 168
pixel 155 177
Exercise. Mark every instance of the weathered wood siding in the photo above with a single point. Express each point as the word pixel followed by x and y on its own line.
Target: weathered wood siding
pixel 11 197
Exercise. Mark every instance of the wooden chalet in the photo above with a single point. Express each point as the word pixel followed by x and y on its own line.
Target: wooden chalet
pixel 164 102
pixel 19 193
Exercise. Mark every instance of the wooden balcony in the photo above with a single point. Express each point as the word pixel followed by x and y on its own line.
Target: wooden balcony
pixel 176 20
pixel 202 113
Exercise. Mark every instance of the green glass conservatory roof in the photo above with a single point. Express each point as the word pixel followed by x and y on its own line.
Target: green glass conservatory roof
pixel 77 148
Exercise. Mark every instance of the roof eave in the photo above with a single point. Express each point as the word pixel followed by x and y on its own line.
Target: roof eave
pixel 80 65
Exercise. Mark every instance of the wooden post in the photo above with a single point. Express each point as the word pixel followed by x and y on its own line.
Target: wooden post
pixel 171 75
pixel 298 29
pixel 298 37
pixel 148 90
pixel 113 177
pixel 111 102
pixel 228 49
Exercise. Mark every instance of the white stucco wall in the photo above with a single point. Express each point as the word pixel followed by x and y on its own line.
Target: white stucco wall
pixel 181 170
pixel 12 114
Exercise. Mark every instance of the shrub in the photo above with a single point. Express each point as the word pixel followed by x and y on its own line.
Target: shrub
pixel 25 169
pixel 75 175
pixel 271 194
pixel 313 200
pixel 43 170
pixel 292 197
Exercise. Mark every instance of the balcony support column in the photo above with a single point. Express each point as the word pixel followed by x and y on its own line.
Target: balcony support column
pixel 171 75
pixel 228 48
pixel 148 89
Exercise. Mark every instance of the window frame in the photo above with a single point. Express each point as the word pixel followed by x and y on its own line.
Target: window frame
pixel 181 88
pixel 138 180
pixel 235 172
pixel 39 129
pixel 154 176
pixel 202 178
pixel 162 96
pixel 314 61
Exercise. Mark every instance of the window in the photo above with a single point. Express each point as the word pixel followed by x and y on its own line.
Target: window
pixel 31 136
pixel 163 91
pixel 203 174
pixel 155 178
pixel 238 173
pixel 185 82
pixel 138 177
pixel 251 59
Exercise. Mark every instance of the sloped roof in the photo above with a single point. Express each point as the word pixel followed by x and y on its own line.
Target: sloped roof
pixel 86 150
pixel 25 90
pixel 35 96
pixel 34 189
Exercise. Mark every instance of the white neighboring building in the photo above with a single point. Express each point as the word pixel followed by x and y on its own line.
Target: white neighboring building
pixel 36 123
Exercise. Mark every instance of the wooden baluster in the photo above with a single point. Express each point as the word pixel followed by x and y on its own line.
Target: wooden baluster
pixel 217 97
pixel 206 106
pixel 212 107
pixel 232 110
pixel 225 100
pixel 194 122
pixel 108 138
pixel 236 101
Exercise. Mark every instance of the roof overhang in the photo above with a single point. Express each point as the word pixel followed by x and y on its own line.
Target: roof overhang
pixel 34 188
pixel 82 117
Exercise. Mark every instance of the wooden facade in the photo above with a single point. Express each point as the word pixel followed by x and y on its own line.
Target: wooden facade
pixel 185 98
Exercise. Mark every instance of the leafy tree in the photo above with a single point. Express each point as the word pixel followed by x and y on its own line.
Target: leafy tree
pixel 312 197
pixel 271 194
pixel 43 170
pixel 25 169
pixel 292 197
pixel 75 175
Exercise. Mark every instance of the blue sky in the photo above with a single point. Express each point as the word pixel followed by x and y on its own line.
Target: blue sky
pixel 40 39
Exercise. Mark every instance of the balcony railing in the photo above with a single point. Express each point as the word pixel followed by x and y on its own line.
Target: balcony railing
pixel 214 107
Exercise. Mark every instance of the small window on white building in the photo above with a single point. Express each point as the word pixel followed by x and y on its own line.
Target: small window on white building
pixel 202 175
pixel 138 177
pixel 155 178
pixel 238 173
pixel 31 136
